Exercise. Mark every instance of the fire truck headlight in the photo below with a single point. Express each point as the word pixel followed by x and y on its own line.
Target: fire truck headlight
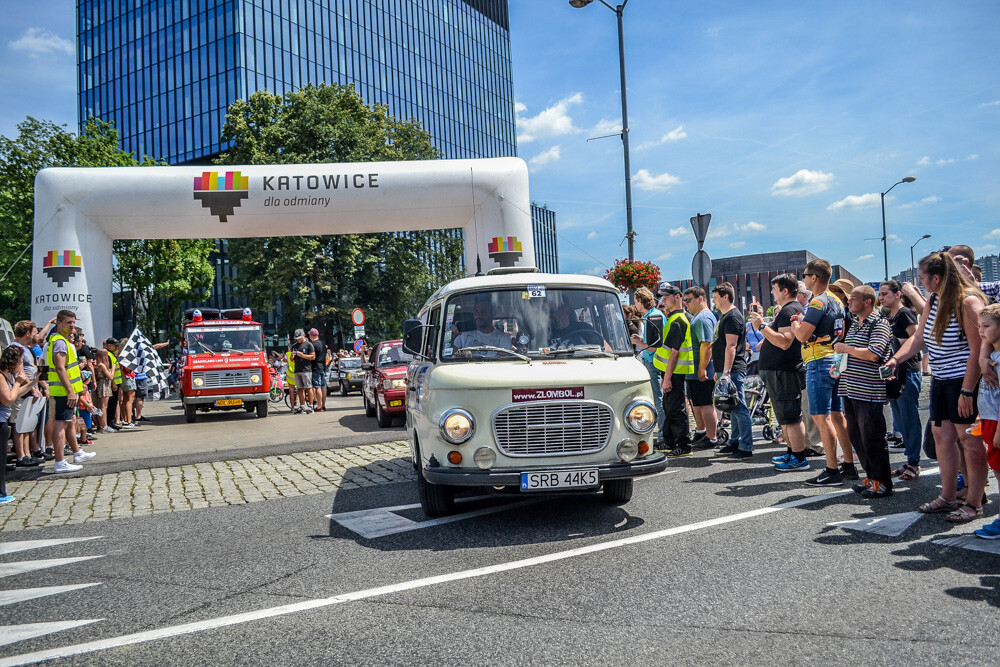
pixel 255 379
pixel 198 381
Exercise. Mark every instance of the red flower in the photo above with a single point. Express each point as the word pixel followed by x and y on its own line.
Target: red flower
pixel 634 274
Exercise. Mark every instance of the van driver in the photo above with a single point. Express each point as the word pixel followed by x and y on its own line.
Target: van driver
pixel 484 333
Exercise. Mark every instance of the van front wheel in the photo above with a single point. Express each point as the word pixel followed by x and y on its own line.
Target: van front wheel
pixel 617 491
pixel 435 499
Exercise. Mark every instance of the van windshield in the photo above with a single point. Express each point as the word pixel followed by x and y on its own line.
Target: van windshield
pixel 539 321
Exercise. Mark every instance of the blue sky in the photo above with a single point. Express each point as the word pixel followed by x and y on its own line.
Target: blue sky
pixel 784 121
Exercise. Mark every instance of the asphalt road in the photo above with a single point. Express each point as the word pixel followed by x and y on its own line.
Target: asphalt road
pixel 705 565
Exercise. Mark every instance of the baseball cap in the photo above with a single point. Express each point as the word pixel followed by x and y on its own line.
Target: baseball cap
pixel 111 341
pixel 314 331
pixel 299 333
pixel 667 289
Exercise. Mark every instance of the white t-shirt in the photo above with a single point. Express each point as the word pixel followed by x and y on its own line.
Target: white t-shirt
pixel 474 338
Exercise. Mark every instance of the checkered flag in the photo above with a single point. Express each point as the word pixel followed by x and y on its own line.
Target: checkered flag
pixel 138 353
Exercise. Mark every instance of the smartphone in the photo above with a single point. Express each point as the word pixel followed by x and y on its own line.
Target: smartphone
pixel 885 372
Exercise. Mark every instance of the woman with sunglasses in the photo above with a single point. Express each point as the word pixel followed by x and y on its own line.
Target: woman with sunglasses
pixel 949 331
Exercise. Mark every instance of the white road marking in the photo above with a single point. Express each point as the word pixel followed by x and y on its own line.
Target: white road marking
pixel 22 594
pixel 10 634
pixel 20 567
pixel 970 542
pixel 657 474
pixel 14 547
pixel 892 525
pixel 236 619
pixel 382 521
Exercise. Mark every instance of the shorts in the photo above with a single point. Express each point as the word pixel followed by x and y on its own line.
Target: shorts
pixel 785 395
pixel 142 388
pixel 821 388
pixel 989 427
pixel 62 412
pixel 303 380
pixel 944 402
pixel 15 408
pixel 319 379
pixel 128 384
pixel 699 392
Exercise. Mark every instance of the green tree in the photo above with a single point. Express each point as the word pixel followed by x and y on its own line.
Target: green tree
pixel 318 280
pixel 172 270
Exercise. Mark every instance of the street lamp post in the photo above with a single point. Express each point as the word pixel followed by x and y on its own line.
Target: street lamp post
pixel 885 246
pixel 619 10
pixel 913 268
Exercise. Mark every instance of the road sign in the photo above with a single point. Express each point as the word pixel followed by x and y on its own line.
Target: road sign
pixel 699 224
pixel 358 317
pixel 359 332
pixel 701 268
pixel 358 344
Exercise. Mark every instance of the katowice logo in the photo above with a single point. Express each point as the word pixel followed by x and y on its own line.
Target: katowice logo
pixel 221 194
pixel 61 265
pixel 505 250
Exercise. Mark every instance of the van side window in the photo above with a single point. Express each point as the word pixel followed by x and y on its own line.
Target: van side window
pixel 431 332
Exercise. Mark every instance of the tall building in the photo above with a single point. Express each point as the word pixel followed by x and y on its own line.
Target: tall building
pixel 990 265
pixel 165 71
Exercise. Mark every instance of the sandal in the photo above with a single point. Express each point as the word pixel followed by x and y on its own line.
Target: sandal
pixel 939 505
pixel 963 494
pixel 962 515
pixel 907 472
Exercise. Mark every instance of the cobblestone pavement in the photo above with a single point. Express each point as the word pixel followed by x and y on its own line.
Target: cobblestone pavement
pixel 62 501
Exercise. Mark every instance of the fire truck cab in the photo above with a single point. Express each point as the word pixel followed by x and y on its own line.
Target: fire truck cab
pixel 224 366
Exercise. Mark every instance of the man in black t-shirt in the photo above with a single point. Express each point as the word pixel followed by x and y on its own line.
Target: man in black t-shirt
pixel 303 355
pixel 319 371
pixel 729 359
pixel 780 356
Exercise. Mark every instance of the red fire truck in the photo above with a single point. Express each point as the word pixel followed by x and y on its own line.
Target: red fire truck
pixel 224 366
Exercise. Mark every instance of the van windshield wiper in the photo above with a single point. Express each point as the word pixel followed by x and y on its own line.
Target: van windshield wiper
pixel 493 348
pixel 578 348
pixel 207 348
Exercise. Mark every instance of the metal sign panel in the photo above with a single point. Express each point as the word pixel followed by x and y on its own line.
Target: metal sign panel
pixel 359 332
pixel 701 268
pixel 358 317
pixel 358 344
pixel 699 224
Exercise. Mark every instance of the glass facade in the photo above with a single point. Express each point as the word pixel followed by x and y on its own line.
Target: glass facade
pixel 165 71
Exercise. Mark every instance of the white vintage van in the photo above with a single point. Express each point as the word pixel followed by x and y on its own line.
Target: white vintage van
pixel 526 381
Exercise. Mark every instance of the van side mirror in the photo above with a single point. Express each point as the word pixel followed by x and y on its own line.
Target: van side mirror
pixel 412 333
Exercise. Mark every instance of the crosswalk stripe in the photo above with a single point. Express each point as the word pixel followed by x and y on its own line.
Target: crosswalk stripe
pixel 22 594
pixel 20 567
pixel 14 547
pixel 10 634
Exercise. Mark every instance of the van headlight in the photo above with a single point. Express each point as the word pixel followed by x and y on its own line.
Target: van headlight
pixel 457 426
pixel 640 416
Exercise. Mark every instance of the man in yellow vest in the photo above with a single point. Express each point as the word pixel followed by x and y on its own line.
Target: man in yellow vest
pixel 65 386
pixel 111 345
pixel 290 377
pixel 676 359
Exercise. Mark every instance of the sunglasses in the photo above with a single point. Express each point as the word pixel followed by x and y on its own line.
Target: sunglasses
pixel 808 275
pixel 687 300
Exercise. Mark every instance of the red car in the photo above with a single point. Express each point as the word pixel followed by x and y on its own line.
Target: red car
pixel 384 388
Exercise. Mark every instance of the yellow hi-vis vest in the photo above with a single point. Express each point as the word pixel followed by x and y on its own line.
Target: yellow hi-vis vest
pixel 118 369
pixel 685 362
pixel 72 369
pixel 290 370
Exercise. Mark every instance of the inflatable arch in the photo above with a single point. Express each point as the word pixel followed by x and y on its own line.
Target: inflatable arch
pixel 80 211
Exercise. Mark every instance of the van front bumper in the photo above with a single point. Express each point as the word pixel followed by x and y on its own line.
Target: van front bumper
pixel 508 477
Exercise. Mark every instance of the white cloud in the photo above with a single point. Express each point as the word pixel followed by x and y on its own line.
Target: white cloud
pixel 923 202
pixel 544 158
pixel 737 244
pixel 673 135
pixel 994 103
pixel 995 234
pixel 864 258
pixel 664 257
pixel 801 183
pixel 974 156
pixel 551 122
pixel 753 227
pixel 605 127
pixel 519 107
pixel 988 246
pixel 924 161
pixel 594 271
pixel 855 201
pixel 941 162
pixel 591 236
pixel 684 231
pixel 41 42
pixel 647 181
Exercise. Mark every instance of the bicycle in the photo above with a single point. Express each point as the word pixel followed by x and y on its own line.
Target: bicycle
pixel 279 393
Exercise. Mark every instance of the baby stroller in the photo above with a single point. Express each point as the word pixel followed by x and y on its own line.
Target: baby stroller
pixel 759 405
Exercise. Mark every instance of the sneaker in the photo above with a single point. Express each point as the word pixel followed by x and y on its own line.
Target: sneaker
pixel 64 466
pixel 297 411
pixel 877 490
pixel 990 531
pixel 896 446
pixel 107 429
pixel 82 456
pixel 848 471
pixel 701 441
pixel 826 478
pixel 792 464
pixel 812 453
pixel 740 455
pixel 4 500
pixel 678 451
pixel 784 458
pixel 307 410
pixel 48 455
pixel 38 456
pixel 727 450
pixel 863 485
pixel 27 462
pixel 143 419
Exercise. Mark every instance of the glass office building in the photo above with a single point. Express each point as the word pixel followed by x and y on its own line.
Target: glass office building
pixel 165 71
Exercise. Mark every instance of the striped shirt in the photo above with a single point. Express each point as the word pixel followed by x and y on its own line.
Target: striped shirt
pixel 949 358
pixel 860 380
